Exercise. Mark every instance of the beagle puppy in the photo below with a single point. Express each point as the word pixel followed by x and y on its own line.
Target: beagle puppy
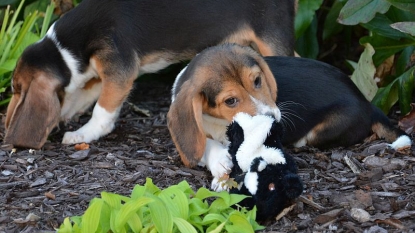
pixel 317 104
pixel 97 50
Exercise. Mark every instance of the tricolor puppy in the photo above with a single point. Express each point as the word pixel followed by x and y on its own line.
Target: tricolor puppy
pixel 97 50
pixel 318 104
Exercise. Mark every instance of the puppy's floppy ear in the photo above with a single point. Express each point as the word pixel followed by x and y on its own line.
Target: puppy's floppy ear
pixel 185 124
pixel 33 113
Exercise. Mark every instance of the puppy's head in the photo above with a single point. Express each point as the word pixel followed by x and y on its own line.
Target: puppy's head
pixel 219 82
pixel 34 108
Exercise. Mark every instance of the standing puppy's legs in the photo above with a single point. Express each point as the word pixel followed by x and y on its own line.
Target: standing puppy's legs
pixel 113 94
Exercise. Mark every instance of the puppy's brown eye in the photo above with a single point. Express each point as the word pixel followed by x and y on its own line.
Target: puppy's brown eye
pixel 231 102
pixel 257 82
pixel 271 187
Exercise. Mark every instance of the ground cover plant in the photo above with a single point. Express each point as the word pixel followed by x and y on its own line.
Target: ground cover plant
pixel 175 209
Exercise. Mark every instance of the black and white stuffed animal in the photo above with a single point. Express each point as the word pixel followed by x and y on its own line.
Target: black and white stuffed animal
pixel 261 168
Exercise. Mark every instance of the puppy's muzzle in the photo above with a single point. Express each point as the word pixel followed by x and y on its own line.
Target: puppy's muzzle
pixel 273 112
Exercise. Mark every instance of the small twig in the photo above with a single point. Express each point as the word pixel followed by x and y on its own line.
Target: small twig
pixel 13 184
pixel 284 212
pixel 311 203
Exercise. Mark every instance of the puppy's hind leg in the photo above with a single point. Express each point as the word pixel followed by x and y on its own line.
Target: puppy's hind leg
pixel 114 91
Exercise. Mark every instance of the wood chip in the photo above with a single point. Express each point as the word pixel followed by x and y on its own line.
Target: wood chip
pixel 50 195
pixel 385 194
pixel 38 182
pixel 328 216
pixel 284 212
pixel 352 165
pixel 392 222
pixel 311 203
pixel 79 155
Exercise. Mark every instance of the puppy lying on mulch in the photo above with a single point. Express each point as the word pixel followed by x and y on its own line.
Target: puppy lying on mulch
pixel 261 168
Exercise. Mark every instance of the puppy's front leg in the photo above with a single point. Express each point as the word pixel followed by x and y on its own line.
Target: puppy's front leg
pixel 218 161
pixel 105 113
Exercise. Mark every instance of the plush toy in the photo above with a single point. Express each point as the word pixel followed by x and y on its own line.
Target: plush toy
pixel 262 170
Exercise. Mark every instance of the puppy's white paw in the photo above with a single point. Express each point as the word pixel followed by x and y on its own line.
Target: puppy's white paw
pixel 401 142
pixel 219 185
pixel 73 138
pixel 221 165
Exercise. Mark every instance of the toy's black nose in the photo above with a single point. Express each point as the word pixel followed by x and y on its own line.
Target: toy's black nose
pixel 293 186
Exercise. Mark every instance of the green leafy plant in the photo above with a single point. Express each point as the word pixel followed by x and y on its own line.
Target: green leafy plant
pixel 386 28
pixel 391 36
pixel 175 209
pixel 15 36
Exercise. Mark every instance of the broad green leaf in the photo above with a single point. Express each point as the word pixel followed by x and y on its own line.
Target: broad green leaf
pixel 211 218
pixel 129 209
pixel 307 44
pixel 66 226
pixel 176 201
pixel 363 76
pixel 92 215
pixel 160 215
pixel 398 15
pixel 406 88
pixel 183 225
pixel 218 229
pixel 138 191
pixel 105 217
pixel 305 14
pixel 403 61
pixel 7 66
pixel 150 187
pixel 385 47
pixel 386 97
pixel 197 207
pixel 406 5
pixel 239 224
pixel 406 27
pixel 236 198
pixel 331 27
pixel 112 199
pixel 361 11
pixel 203 193
pixel 135 223
pixel 185 187
pixel 401 88
pixel 382 26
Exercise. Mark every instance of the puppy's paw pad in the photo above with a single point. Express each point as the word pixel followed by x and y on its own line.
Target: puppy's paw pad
pixel 72 138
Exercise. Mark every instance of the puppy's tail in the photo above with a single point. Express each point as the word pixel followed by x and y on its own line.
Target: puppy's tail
pixel 384 129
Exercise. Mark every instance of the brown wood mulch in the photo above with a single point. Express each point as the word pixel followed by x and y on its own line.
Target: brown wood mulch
pixel 363 188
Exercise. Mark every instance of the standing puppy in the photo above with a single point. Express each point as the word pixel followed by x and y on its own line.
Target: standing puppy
pixel 320 105
pixel 97 50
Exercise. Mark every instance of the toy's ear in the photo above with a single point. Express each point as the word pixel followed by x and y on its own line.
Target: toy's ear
pixel 235 135
pixel 276 133
pixel 293 186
